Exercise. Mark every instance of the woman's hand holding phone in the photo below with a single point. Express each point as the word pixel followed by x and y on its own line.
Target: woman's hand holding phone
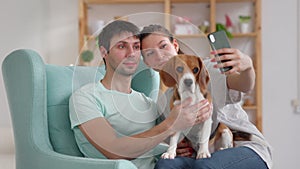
pixel 233 58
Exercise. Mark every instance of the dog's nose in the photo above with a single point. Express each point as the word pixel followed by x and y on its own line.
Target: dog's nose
pixel 188 82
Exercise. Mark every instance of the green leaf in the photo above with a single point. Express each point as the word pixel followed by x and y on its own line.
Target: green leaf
pixel 220 26
pixel 244 18
pixel 87 56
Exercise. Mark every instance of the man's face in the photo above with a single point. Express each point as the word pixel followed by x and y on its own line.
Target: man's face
pixel 124 54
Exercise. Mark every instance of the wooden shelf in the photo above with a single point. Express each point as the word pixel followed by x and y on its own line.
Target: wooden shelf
pixel 121 1
pixel 208 1
pixel 231 1
pixel 235 35
pixel 191 36
pixel 250 107
pixel 190 1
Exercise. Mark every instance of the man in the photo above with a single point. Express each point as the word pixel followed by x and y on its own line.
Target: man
pixel 110 120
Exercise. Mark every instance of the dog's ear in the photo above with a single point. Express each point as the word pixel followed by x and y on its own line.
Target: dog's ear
pixel 203 78
pixel 167 74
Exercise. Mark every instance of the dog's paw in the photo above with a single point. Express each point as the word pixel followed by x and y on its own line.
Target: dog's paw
pixel 229 145
pixel 203 155
pixel 168 155
pixel 226 145
pixel 227 139
pixel 176 102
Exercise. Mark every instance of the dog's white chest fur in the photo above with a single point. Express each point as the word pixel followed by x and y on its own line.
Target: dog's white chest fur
pixel 187 87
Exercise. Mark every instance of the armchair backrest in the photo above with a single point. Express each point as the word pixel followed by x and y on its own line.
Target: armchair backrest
pixel 38 97
pixel 61 82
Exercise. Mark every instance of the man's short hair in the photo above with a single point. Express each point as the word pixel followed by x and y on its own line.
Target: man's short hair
pixel 116 28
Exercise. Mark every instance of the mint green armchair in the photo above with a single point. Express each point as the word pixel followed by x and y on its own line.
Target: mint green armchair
pixel 38 97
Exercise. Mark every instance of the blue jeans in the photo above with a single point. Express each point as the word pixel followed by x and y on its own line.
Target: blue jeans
pixel 232 158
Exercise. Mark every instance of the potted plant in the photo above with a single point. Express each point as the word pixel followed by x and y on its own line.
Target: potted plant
pixel 220 26
pixel 244 23
pixel 87 56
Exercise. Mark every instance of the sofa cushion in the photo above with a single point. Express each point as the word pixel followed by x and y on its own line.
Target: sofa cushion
pixel 61 82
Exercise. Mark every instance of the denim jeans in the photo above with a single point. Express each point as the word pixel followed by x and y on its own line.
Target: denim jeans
pixel 232 158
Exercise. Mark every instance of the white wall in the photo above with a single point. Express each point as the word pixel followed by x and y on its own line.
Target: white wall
pixel 21 27
pixel 279 46
pixel 50 27
pixel 62 31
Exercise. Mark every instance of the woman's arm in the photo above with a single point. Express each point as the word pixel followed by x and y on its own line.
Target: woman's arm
pixel 102 136
pixel 242 75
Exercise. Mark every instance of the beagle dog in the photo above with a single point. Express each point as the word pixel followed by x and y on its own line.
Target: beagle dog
pixel 189 77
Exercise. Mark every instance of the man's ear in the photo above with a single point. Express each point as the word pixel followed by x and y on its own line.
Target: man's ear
pixel 103 52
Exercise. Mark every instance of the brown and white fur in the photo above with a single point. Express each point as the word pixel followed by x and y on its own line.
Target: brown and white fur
pixel 189 77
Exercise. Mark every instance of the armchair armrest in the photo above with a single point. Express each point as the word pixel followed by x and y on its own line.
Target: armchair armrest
pixel 61 161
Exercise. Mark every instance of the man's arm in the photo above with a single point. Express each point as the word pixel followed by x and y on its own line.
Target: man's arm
pixel 102 136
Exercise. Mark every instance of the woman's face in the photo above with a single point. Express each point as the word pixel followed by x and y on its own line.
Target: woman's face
pixel 157 50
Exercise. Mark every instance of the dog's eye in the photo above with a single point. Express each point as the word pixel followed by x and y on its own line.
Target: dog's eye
pixel 195 70
pixel 179 69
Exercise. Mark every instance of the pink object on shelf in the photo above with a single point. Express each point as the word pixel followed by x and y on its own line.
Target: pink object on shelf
pixel 228 21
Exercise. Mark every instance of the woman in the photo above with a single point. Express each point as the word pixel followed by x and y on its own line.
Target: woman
pixel 158 46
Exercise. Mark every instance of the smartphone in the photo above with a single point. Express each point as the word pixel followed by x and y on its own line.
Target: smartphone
pixel 219 40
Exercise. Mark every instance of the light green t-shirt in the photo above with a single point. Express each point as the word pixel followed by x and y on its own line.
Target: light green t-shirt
pixel 128 114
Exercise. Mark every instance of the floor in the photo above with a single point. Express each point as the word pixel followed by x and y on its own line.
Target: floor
pixel 7 149
pixel 7 161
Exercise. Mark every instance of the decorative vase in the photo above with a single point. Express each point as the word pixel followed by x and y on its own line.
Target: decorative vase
pixel 245 27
